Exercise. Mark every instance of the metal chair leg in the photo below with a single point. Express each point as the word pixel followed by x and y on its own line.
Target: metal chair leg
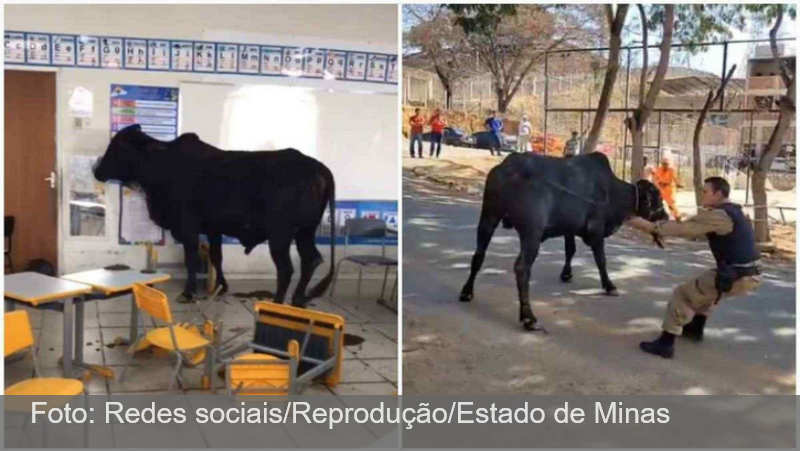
pixel 86 423
pixel 335 278
pixel 131 352
pixel 176 374
pixel 358 290
pixel 385 277
pixel 22 431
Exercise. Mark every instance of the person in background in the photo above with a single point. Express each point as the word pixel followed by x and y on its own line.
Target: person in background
pixel 437 123
pixel 732 241
pixel 524 134
pixel 495 125
pixel 573 147
pixel 648 171
pixel 666 180
pixel 417 122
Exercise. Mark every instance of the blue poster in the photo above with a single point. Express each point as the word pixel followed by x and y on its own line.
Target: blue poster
pixel 154 108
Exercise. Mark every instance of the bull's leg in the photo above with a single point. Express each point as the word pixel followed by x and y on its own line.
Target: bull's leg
pixel 599 251
pixel 279 250
pixel 569 248
pixel 191 258
pixel 310 258
pixel 529 249
pixel 215 243
pixel 486 228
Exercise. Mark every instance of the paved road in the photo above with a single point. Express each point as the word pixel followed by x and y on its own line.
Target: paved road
pixel 591 345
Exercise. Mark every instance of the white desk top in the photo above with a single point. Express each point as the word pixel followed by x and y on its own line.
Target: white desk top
pixel 111 282
pixel 35 288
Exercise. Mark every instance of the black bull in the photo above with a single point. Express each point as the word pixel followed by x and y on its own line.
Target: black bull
pixel 543 197
pixel 193 188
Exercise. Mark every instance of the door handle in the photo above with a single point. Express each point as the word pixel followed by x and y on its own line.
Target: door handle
pixel 51 179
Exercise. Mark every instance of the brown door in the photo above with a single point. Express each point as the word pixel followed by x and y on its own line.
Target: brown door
pixel 30 159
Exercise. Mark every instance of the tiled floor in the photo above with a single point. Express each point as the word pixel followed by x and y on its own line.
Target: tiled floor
pixel 369 367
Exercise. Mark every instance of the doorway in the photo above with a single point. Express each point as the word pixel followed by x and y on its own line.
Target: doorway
pixel 30 165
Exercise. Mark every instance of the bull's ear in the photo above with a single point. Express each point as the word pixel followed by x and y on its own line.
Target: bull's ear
pixel 132 128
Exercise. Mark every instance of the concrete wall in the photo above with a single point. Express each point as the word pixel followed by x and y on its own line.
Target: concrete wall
pixel 356 123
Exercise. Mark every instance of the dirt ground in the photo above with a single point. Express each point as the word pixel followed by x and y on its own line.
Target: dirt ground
pixel 466 169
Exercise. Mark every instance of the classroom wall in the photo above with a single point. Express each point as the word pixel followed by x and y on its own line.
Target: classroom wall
pixel 356 135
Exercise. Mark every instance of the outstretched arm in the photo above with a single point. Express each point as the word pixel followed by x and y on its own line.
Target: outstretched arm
pixel 706 221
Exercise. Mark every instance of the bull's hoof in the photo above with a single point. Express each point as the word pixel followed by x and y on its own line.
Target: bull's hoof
pixel 612 292
pixel 465 297
pixel 566 277
pixel 531 325
pixel 186 298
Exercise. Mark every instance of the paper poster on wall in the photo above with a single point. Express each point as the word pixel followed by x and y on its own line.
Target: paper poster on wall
pixel 315 63
pixel 356 66
pixel 249 59
pixel 87 198
pixel 376 68
pixel 14 45
pixel 391 75
pixel 131 53
pixel 135 54
pixel 204 57
pixel 88 51
pixel 227 58
pixel 334 64
pixel 158 55
pixel 293 62
pixel 182 56
pixel 64 50
pixel 38 46
pixel 135 225
pixel 271 60
pixel 154 108
pixel 111 53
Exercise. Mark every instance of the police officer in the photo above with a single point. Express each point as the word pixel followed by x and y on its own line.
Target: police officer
pixel 732 242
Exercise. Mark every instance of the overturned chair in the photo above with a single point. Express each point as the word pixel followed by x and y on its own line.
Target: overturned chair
pixel 291 348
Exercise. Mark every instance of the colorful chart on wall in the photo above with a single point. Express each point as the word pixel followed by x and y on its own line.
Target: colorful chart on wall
pixel 105 52
pixel 155 109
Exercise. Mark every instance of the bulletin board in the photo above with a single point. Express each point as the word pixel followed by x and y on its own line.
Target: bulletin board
pixel 155 109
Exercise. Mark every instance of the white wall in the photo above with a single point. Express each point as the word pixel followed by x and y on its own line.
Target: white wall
pixel 356 123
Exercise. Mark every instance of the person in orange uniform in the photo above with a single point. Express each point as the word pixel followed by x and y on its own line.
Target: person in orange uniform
pixel 666 179
pixel 417 122
pixel 437 123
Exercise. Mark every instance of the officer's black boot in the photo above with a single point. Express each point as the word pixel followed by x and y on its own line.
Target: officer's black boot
pixel 694 330
pixel 663 346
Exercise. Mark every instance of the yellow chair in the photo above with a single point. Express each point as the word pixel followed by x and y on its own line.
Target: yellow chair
pixel 18 338
pixel 185 344
pixel 280 364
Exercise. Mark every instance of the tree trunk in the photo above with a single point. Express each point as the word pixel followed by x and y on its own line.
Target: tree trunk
pixel 697 170
pixel 637 151
pixel 698 133
pixel 787 106
pixel 615 30
pixel 502 102
pixel 448 98
pixel 765 163
pixel 642 113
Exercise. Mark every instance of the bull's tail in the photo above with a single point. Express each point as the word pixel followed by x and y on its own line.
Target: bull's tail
pixel 321 287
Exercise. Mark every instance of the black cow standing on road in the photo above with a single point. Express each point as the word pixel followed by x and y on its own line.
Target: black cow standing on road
pixel 193 188
pixel 544 197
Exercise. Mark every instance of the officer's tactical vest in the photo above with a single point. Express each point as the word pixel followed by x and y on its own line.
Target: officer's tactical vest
pixel 737 247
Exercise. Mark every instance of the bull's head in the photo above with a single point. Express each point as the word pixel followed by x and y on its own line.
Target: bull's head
pixel 649 204
pixel 123 156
